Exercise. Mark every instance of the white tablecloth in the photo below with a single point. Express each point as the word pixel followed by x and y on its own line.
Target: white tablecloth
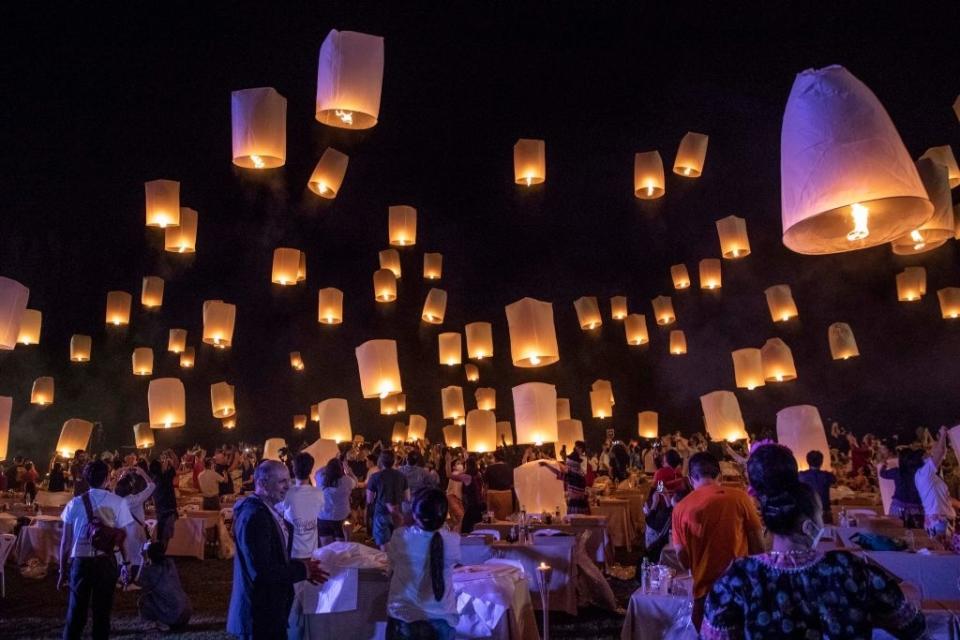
pixel 41 542
pixel 188 538
pixel 658 617
pixel 619 523
pixel 936 574
pixel 53 498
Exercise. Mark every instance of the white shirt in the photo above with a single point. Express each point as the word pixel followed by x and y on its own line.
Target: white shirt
pixel 411 589
pixel 301 508
pixel 109 507
pixel 209 481
pixel 336 500
pixel 934 494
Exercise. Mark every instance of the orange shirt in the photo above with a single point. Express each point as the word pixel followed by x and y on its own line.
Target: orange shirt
pixel 712 525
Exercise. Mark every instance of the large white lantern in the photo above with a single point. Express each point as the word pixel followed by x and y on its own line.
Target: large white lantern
pixel 388 405
pixel 780 302
pixel 432 266
pixel 648 182
pixel 384 285
pixel 943 155
pixel 648 424
pixel 333 414
pixel 710 276
pixel 600 405
pixel 529 162
pixel 80 348
pixel 569 432
pixel 722 417
pixel 450 349
pixel 272 448
pixel 949 298
pixel 663 310
pixel 416 428
pixel 453 436
pixel 588 312
pixel 538 489
pixel 748 368
pixel 434 307
pixel 42 391
pixel 118 308
pixel 162 203
pixel 259 123
pixel 481 431
pixel 678 342
pixel 691 155
pixel 328 175
pixel 636 329
pixel 452 400
pixel 533 337
pixel 479 340
pixel 472 372
pixel 379 370
pixel 800 429
pixel 330 306
pixel 349 80
pixel 911 284
pixel 151 294
pixel 606 387
pixel 940 227
pixel 618 307
pixel 188 358
pixel 843 345
pixel 680 276
pixel 535 412
pixel 13 302
pixel 143 435
pixel 563 408
pixel 778 363
pixel 182 238
pixel 30 324
pixel 74 436
pixel 734 242
pixel 289 266
pixel 219 318
pixel 177 340
pixel 222 401
pixel 402 225
pixel 142 361
pixel 166 400
pixel 390 259
pixel 486 398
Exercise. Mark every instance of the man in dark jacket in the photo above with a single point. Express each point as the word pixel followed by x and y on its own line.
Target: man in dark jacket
pixel 263 573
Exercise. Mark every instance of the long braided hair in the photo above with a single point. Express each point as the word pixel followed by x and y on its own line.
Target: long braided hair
pixel 430 512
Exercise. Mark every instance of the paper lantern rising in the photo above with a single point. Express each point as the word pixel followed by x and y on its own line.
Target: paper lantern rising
pixel 846 180
pixel 388 405
pixel 479 340
pixel 691 155
pixel 663 310
pixel 177 340
pixel 472 372
pixel 563 408
pixel 535 412
pixel 272 448
pixel 30 323
pixel 486 398
pixel 384 285
pixel 229 423
pixel 722 417
pixel 636 329
pixel 289 266
pixel 588 312
pixel 680 276
pixel 432 266
pixel 940 227
pixel 143 435
pixel 183 238
pixel 6 406
pixel 390 259
pixel 379 371
pixel 402 225
pixel 299 422
pixel 166 400
pixel 349 80
pixel 449 347
pixel 452 401
pixel 648 424
pixel 80 347
pixel 943 155
pixel 618 307
pixel 142 361
pixel 842 343
pixel 481 431
pixel 529 162
pixel 800 429
pixel 434 307
pixel 259 122
pixel 219 318
pixel 600 405
pixel 401 402
pixel 163 203
pixel 949 302
pixel 710 277
pixel 151 295
pixel 222 400
pixel 648 182
pixel 780 302
pixel 605 386
pixel 453 436
pixel 13 302
pixel 42 391
pixel 118 308
pixel 74 436
pixel 504 433
pixel 330 306
pixel 911 284
pixel 678 342
pixel 296 361
pixel 416 428
pixel 328 175
pixel 533 337
pixel 569 432
pixel 315 412
pixel 777 361
pixel 748 368
pixel 734 242
pixel 187 358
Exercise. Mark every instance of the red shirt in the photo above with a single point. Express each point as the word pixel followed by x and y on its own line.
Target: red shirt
pixel 666 474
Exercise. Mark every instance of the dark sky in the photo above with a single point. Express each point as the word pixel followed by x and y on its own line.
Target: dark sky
pixel 99 100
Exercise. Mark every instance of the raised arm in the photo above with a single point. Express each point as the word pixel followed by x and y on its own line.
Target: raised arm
pixel 939 449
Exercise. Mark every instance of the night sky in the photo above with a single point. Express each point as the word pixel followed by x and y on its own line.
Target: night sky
pixel 98 101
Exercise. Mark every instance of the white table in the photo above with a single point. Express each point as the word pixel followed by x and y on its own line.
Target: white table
pixel 40 540
pixel 654 617
pixel 188 538
pixel 935 575
pixel 619 523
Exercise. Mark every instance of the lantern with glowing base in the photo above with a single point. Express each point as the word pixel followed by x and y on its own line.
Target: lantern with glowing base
pixel 479 340
pixel 118 308
pixel 588 312
pixel 449 348
pixel 535 413
pixel 42 391
pixel 911 284
pixel 162 203
pixel 166 400
pixel 151 295
pixel 777 361
pixel 748 368
pixel 663 310
pixel 289 266
pixel 691 155
pixel 943 155
pixel 188 358
pixel 538 489
pixel 349 80
pixel 142 361
pixel 416 428
pixel 388 405
pixel 680 276
pixel 434 307
pixel 940 227
pixel 259 124
pixel 451 399
pixel 229 423
pixel 432 266
pixel 315 412
pixel 272 448
pixel 563 408
pixel 486 398
pixel 384 285
pixel 678 343
pixel 330 306
pixel 80 348
pixel 472 372
pixel 296 361
pixel 333 416
pixel 618 307
pixel 143 435
pixel 379 370
pixel 648 424
pixel 30 323
pixel 74 436
pixel 529 162
pixel 843 345
pixel 504 433
pixel 177 340
pixel 780 302
pixel 402 225
pixel 734 242
pixel 533 337
pixel 710 277
pixel 800 429
pixel 600 405
pixel 636 329
pixel 648 182
pixel 481 431
pixel 222 400
pixel 327 176
pixel 399 432
pixel 606 387
pixel 218 321
pixel 453 436
pixel 569 432
pixel 299 422
pixel 949 298
pixel 13 303
pixel 183 238
pixel 722 417
pixel 390 259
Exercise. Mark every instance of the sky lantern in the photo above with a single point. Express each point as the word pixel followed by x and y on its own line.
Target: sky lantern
pixel 143 435
pixel 416 428
pixel 588 312
pixel 80 348
pixel 328 175
pixel 259 123
pixel 846 179
pixel 142 361
pixel 911 284
pixel 432 266
pixel 710 277
pixel 13 302
pixel 843 345
pixel 949 302
pixel 166 400
pixel 222 401
pixel 943 155
pixel 452 400
pixel 691 155
pixel 529 162
pixel 390 259
pixel 330 306
pixel 163 203
pixel 648 182
pixel 533 337
pixel 272 448
pixel 479 340
pixel 151 295
pixel 453 436
pixel 648 424
pixel 569 432
pixel 600 405
pixel 188 358
pixel 663 310
pixel 296 361
pixel 349 80
pixel 401 402
pixel 734 242
pixel 402 225
pixel 486 398
pixel 315 412
pixel 940 227
pixel 722 417
pixel 563 408
pixel 218 321
pixel 333 416
pixel 481 431
pixel 183 238
pixel 384 285
pixel 74 436
pixel 504 433
pixel 289 266
pixel 30 324
pixel 636 328
pixel 434 307
pixel 42 391
pixel 800 429
pixel 777 361
pixel 748 368
pixel 606 387
pixel 177 340
pixel 472 372
pixel 618 307
pixel 379 370
pixel 6 406
pixel 780 302
pixel 450 348
pixel 118 308
pixel 680 276
pixel 535 412
pixel 388 405
pixel 678 342
pixel 299 422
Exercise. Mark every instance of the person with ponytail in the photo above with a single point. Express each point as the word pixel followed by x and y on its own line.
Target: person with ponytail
pixel 795 591
pixel 421 603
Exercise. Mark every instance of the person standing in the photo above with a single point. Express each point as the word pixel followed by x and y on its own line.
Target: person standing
pixel 337 482
pixel 58 481
pixel 76 472
pixel 30 478
pixel 386 491
pixel 474 496
pixel 938 511
pixel 499 480
pixel 165 495
pixel 574 483
pixel 819 481
pixel 301 508
pixel 137 533
pixel 209 481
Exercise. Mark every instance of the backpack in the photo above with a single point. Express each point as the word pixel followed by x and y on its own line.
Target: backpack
pixel 102 537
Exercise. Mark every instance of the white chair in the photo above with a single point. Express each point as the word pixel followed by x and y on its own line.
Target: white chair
pixel 7 540
pixel 493 533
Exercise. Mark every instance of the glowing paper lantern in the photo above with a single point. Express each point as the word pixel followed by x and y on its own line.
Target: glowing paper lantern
pixel 450 349
pixel 618 307
pixel 678 342
pixel 333 414
pixel 568 433
pixel 30 323
pixel 648 182
pixel 379 370
pixel 453 436
pixel 143 435
pixel 167 403
pixel 452 400
pixel 842 343
pixel 177 341
pixel 163 203
pixel 600 405
pixel 606 387
pixel 432 266
pixel 680 276
pixel 416 428
pixel 13 302
pixel 504 433
pixel 296 361
pixel 388 405
pixel 315 412
pixel 538 489
pixel 588 312
pixel 272 448
pixel 434 307
pixel 330 306
pixel 74 436
pixel 529 162
pixel 780 302
pixel 691 155
pixel 118 308
pixel 648 424
pixel 636 329
pixel 722 417
pixel 473 374
pixel 384 285
pixel 399 432
pixel 42 391
pixel 748 368
pixel 911 284
pixel 229 423
pixel 6 406
pixel 289 266
pixel 734 242
pixel 259 123
pixel 535 412
pixel 943 156
pixel 218 321
pixel 777 361
pixel 479 340
pixel 663 310
pixel 151 295
pixel 390 259
pixel 328 175
pixel 187 358
pixel 349 80
pixel 481 431
pixel 949 302
pixel 402 224
pixel 710 277
pixel 846 180
pixel 80 347
pixel 486 398
pixel 222 400
pixel 563 408
pixel 533 337
pixel 401 402
pixel 142 361
pixel 299 422
pixel 183 238
pixel 800 429
pixel 940 227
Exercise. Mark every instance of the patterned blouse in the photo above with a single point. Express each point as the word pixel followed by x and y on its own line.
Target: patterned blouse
pixel 837 595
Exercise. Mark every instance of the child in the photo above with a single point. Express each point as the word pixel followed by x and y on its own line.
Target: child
pixel 163 599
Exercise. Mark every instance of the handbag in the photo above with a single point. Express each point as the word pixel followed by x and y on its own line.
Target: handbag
pixel 103 537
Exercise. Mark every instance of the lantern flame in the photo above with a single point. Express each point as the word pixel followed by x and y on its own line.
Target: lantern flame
pixel 918 241
pixel 257 162
pixel 346 117
pixel 534 359
pixel 686 171
pixel 860 215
